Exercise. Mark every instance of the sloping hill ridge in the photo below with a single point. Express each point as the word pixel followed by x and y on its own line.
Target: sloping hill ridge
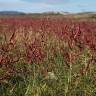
pixel 64 14
pixel 11 13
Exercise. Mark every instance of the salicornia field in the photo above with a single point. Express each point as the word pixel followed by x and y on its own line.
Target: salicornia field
pixel 47 56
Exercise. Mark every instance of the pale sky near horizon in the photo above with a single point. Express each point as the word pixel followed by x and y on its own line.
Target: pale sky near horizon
pixel 48 5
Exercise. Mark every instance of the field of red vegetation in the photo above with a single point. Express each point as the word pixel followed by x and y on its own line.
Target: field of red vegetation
pixel 46 42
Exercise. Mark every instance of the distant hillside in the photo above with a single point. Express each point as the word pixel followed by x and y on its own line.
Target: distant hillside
pixel 84 15
pixel 11 13
pixel 66 14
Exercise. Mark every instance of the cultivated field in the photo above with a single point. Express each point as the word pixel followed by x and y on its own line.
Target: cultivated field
pixel 47 56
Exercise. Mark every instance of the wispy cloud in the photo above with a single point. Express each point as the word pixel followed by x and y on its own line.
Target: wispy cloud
pixel 21 5
pixel 48 5
pixel 48 1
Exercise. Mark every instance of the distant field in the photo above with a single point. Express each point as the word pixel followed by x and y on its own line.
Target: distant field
pixel 48 55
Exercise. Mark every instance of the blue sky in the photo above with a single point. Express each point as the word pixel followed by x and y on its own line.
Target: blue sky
pixel 48 5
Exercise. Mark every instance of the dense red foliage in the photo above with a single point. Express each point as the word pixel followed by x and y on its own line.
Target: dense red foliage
pixel 32 43
pixel 79 33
